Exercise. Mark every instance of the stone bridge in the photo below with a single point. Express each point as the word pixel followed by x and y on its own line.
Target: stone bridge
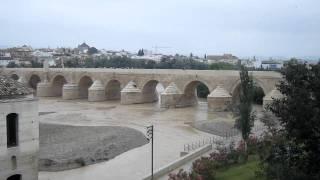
pixel 133 86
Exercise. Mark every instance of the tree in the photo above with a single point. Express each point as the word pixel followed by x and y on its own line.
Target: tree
pixel 297 156
pixel 246 118
pixel 139 52
pixel 36 64
pixel 12 64
pixel 70 63
pixel 258 95
pixel 150 64
pixel 92 50
pixel 90 63
pixel 24 65
pixel 222 66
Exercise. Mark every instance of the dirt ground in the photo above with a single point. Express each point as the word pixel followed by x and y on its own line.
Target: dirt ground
pixel 65 147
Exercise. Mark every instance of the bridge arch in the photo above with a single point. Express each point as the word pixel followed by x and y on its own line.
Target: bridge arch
pixel 14 76
pixel 113 89
pixel 33 81
pixel 83 74
pixel 190 87
pixel 151 90
pixel 84 84
pixel 15 177
pixel 190 96
pixel 255 80
pixel 235 90
pixel 57 85
pixel 66 76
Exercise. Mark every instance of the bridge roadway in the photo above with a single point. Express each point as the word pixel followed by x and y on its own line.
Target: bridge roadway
pixel 134 86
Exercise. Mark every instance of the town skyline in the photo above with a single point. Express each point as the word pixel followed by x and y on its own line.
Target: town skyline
pixel 152 50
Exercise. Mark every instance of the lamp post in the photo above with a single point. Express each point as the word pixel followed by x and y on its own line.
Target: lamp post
pixel 150 137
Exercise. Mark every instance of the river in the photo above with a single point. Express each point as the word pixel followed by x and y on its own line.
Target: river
pixel 172 131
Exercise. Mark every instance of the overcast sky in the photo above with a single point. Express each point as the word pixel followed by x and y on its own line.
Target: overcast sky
pixel 241 27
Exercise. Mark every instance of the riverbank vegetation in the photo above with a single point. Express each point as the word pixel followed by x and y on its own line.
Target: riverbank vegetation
pixel 292 152
pixel 246 119
pixel 165 63
pixel 224 163
pixel 288 149
pixel 246 171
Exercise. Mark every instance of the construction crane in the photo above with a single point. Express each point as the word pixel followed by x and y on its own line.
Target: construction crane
pixel 159 47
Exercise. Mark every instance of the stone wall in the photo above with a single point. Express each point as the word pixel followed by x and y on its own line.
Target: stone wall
pixel 23 158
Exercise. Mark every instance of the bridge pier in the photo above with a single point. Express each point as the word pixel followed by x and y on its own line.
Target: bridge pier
pixel 273 94
pixel 96 92
pixel 70 91
pixel 186 100
pixel 219 100
pixel 44 89
pixel 131 94
pixel 170 96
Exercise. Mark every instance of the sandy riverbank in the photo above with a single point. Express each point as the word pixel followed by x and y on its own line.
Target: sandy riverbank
pixel 65 147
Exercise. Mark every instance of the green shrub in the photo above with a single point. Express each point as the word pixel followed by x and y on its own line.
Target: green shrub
pixel 203 168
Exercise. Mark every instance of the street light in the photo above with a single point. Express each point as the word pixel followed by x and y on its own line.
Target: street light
pixel 150 137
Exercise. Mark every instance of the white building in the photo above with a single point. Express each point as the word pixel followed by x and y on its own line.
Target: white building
pixel 225 58
pixel 5 62
pixel 271 64
pixel 41 56
pixel 154 57
pixel 248 63
pixel 83 48
pixel 5 58
pixel 19 131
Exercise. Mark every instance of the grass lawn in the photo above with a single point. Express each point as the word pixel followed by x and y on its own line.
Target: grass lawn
pixel 240 171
